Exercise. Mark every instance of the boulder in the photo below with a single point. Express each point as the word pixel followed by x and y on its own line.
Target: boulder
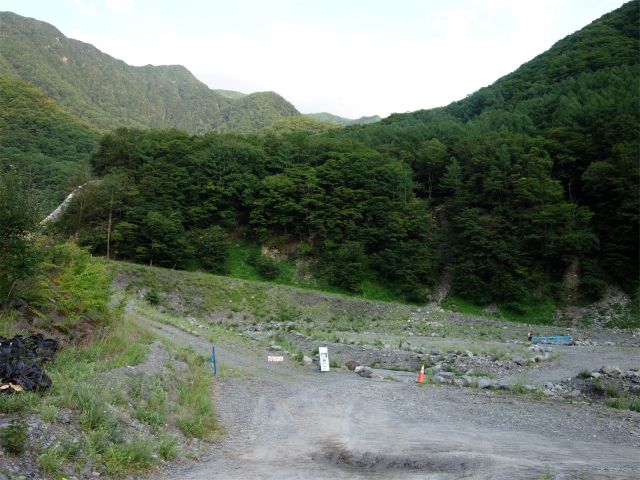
pixel 444 377
pixel 484 383
pixel 365 372
pixel 306 360
pixel 276 347
pixel 352 364
pixel 435 351
pixel 463 381
pixel 520 361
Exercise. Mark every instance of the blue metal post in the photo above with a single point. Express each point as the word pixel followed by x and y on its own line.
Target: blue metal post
pixel 215 371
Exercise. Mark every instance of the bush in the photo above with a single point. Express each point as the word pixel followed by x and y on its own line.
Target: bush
pixel 19 255
pixel 153 296
pixel 268 268
pixel 14 437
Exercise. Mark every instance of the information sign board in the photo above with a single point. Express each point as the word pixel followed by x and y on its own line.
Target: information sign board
pixel 323 353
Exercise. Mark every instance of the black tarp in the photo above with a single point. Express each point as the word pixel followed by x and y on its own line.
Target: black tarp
pixel 15 374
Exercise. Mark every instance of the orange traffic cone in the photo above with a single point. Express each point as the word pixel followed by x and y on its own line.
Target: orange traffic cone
pixel 421 376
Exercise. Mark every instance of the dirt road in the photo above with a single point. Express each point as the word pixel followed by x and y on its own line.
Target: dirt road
pixel 282 422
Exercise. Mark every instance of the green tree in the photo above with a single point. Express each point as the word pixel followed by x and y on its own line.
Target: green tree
pixel 430 162
pixel 19 255
pixel 213 249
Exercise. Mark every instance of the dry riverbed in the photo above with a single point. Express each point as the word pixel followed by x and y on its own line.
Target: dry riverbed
pixel 540 417
pixel 282 420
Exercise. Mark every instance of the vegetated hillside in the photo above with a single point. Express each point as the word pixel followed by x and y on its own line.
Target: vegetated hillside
pixel 300 123
pixel 527 205
pixel 328 117
pixel 252 112
pixel 233 95
pixel 107 93
pixel 41 142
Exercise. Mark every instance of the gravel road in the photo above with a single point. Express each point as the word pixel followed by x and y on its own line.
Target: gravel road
pixel 284 422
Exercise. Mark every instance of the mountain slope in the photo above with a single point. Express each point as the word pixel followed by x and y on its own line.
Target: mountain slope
pixel 108 93
pixel 38 139
pixel 324 117
pixel 232 94
pixel 265 109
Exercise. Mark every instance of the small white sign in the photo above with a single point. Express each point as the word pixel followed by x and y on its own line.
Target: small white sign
pixel 275 359
pixel 323 353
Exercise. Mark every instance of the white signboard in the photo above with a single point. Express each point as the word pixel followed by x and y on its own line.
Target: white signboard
pixel 323 353
pixel 275 359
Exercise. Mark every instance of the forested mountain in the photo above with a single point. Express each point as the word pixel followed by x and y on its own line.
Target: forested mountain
pixel 299 123
pixel 252 112
pixel 107 93
pixel 526 191
pixel 324 116
pixel 41 142
pixel 233 95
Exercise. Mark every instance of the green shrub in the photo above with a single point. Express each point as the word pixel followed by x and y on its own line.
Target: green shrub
pixel 50 461
pixel 598 384
pixel 167 447
pixel 123 456
pixel 153 296
pixel 13 438
pixel 268 268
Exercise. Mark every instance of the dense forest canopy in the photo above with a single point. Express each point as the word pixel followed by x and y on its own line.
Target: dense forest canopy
pixel 328 117
pixel 47 146
pixel 511 190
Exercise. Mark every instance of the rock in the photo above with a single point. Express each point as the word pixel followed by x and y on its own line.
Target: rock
pixel 352 364
pixel 306 360
pixel 549 393
pixel 444 377
pixel 276 347
pixel 365 372
pixel 464 381
pixel 611 370
pixel 520 361
pixel 596 374
pixel 435 352
pixel 484 383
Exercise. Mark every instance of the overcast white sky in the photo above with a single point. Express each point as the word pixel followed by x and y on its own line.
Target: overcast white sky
pixel 351 58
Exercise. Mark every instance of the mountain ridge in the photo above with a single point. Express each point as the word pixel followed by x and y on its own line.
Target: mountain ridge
pixel 108 93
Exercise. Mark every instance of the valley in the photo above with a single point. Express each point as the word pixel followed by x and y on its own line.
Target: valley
pixel 285 420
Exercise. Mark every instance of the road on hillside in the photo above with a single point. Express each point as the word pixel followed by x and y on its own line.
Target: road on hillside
pixel 283 422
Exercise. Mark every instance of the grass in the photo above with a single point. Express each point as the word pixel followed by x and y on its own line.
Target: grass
pixel 519 385
pixel 540 313
pixel 598 384
pixel 585 373
pixel 182 401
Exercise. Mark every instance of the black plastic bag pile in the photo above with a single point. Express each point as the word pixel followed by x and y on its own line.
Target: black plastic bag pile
pixel 15 374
